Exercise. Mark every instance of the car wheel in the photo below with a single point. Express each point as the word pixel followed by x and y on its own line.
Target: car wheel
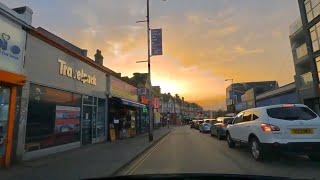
pixel 219 135
pixel 314 157
pixel 230 142
pixel 256 149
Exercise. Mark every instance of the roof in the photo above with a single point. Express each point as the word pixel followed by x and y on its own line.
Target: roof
pixel 281 90
pixel 67 50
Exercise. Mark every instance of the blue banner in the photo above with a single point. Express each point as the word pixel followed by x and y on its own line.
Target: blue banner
pixel 156 42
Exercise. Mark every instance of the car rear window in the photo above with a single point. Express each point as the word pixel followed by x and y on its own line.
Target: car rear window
pixel 291 113
pixel 200 122
pixel 207 121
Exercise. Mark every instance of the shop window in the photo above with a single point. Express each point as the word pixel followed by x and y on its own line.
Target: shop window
pixel 4 114
pixel 101 118
pixel 53 118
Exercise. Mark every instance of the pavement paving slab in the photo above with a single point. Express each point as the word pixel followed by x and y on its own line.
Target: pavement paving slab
pixel 96 160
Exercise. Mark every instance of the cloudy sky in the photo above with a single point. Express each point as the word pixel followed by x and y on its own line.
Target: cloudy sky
pixel 204 41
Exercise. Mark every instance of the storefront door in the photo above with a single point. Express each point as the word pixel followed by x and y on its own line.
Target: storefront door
pixel 87 123
pixel 93 120
pixel 4 116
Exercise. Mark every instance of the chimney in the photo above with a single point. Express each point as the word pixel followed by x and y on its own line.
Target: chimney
pixel 98 58
pixel 25 12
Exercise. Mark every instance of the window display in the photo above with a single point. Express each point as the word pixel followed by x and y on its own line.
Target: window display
pixel 4 112
pixel 53 118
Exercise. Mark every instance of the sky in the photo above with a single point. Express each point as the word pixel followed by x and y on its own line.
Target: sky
pixel 204 41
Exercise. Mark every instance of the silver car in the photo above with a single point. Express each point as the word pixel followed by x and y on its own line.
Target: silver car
pixel 219 129
pixel 205 126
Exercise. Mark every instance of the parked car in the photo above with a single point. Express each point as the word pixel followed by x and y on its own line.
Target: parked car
pixel 219 129
pixel 205 126
pixel 278 128
pixel 197 124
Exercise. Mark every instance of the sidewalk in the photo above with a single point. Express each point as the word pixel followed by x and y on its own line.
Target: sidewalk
pixel 97 160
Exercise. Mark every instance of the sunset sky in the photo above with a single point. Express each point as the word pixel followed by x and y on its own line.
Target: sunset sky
pixel 204 41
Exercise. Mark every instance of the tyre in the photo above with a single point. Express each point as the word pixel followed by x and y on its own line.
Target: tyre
pixel 230 142
pixel 314 157
pixel 256 149
pixel 219 135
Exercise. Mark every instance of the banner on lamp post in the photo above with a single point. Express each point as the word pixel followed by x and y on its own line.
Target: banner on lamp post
pixel 156 42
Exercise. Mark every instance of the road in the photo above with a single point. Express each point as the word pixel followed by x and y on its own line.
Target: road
pixel 187 150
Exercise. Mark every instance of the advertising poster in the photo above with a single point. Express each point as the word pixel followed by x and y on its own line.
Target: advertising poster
pixel 67 119
pixel 157 117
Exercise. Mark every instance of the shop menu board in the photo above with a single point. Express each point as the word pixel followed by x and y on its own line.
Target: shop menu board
pixel 67 119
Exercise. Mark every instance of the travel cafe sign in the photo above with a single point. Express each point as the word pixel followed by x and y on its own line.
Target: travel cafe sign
pixel 79 75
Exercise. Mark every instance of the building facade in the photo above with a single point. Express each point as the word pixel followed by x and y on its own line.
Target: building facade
pixel 124 110
pixel 283 95
pixel 13 23
pixel 65 97
pixel 236 91
pixel 305 44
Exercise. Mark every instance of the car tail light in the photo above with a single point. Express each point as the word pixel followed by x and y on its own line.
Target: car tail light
pixel 269 127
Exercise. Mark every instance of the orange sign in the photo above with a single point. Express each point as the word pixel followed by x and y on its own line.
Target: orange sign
pixel 144 100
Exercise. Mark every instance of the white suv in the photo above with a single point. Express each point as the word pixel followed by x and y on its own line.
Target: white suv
pixel 288 127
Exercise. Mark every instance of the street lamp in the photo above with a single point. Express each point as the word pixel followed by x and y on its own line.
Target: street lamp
pixel 149 72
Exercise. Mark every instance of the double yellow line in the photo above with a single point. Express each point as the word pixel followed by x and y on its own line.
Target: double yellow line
pixel 141 160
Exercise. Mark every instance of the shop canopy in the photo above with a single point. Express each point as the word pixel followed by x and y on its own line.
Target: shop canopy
pixel 132 103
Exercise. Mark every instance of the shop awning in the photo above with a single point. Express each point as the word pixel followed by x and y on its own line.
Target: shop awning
pixel 132 103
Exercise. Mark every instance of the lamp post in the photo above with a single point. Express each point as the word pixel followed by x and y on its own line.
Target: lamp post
pixel 232 90
pixel 149 73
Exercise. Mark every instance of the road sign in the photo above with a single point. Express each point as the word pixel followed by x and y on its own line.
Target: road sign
pixel 142 91
pixel 156 42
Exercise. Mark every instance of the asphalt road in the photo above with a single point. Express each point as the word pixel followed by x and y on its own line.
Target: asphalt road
pixel 187 150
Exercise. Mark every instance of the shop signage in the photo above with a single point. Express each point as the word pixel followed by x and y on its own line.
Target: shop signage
pixel 144 100
pixel 121 89
pixel 142 91
pixel 155 103
pixel 80 75
pixel 8 50
pixel 12 43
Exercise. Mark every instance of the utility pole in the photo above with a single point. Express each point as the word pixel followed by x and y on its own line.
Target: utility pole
pixel 149 74
pixel 149 77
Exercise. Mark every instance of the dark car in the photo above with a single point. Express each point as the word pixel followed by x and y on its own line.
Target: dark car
pixel 197 124
pixel 219 129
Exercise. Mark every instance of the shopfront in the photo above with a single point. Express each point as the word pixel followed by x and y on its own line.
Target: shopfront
pixel 66 100
pixel 124 109
pixel 12 78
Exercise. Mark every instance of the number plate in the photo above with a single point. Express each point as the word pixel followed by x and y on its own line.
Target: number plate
pixel 302 131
